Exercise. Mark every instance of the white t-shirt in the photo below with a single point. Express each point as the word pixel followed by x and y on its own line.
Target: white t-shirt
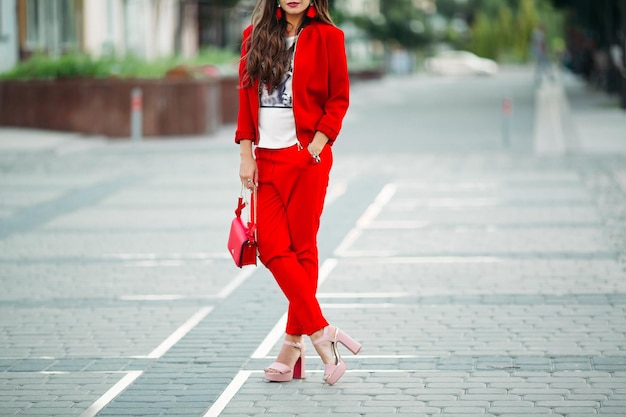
pixel 277 125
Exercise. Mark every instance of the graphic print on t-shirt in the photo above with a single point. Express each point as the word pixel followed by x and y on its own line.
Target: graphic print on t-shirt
pixel 277 125
pixel 281 96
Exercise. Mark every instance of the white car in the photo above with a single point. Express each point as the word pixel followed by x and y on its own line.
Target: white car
pixel 460 63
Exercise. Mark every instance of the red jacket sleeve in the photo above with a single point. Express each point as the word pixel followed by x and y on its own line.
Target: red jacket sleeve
pixel 246 125
pixel 338 86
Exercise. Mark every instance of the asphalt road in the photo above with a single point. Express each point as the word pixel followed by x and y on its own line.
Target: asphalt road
pixel 441 114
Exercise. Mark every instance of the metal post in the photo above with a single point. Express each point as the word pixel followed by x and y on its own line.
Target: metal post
pixel 214 115
pixel 136 114
pixel 507 111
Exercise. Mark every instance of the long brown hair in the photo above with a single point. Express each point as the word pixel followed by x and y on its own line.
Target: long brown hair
pixel 267 57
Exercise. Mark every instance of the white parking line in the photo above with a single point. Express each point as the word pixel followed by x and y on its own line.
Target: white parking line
pixel 279 329
pixel 382 199
pixel 113 392
pixel 276 333
pixel 220 404
pixel 370 258
pixel 327 267
pixel 151 297
pixel 335 190
pixel 228 394
pixel 270 340
pixel 365 295
pixel 368 216
pixel 235 283
pixel 179 333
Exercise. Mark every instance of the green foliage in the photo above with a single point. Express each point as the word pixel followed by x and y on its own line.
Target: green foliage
pixel 76 65
pixel 484 43
pixel 503 29
pixel 401 24
pixel 499 29
pixel 527 21
pixel 40 66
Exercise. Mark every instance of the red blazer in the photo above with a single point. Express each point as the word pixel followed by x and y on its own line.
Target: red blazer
pixel 321 87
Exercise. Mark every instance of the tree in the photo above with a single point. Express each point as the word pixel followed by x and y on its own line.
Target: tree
pixel 527 21
pixel 595 28
pixel 483 42
pixel 401 23
pixel 501 29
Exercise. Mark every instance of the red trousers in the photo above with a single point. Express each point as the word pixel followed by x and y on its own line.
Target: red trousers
pixel 290 199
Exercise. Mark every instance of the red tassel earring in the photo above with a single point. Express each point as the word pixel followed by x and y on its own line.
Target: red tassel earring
pixel 312 11
pixel 279 12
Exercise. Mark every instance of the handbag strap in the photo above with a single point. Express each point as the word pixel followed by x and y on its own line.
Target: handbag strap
pixel 252 222
pixel 240 206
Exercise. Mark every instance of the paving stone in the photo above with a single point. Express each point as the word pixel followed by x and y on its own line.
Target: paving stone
pixel 490 283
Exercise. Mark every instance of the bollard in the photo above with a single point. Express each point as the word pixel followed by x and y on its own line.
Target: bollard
pixel 214 116
pixel 136 114
pixel 507 111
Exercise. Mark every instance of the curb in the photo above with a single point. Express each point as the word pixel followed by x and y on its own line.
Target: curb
pixel 554 132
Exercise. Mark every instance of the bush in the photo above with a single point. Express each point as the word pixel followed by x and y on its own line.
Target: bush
pixel 78 65
pixel 67 66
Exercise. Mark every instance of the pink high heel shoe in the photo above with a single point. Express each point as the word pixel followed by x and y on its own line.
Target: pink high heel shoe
pixel 332 373
pixel 285 373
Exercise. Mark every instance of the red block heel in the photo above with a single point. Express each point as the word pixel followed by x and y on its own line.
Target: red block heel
pixel 283 372
pixel 333 372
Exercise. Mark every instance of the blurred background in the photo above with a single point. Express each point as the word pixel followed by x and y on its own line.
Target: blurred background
pixel 200 39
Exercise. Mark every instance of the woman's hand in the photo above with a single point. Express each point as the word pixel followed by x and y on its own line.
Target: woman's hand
pixel 316 146
pixel 248 173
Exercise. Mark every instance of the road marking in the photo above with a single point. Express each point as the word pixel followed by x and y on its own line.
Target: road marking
pixel 368 257
pixel 336 295
pixel 368 216
pixel 220 404
pixel 335 191
pixel 263 350
pixel 243 275
pixel 362 305
pixel 327 267
pixel 279 329
pixel 166 257
pixel 457 203
pixel 166 262
pixel 453 185
pixel 398 224
pixel 352 236
pixel 151 297
pixel 270 340
pixel 242 377
pixel 179 333
pixel 382 199
pixel 113 392
pixel 550 115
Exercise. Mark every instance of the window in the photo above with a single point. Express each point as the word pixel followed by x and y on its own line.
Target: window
pixel 51 25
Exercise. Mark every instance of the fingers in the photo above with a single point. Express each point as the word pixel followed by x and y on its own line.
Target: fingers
pixel 249 183
pixel 248 174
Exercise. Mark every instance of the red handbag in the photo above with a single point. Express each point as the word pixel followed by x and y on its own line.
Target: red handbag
pixel 242 243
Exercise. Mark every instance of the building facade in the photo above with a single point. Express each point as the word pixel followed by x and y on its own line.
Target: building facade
pixel 147 29
pixel 370 8
pixel 8 35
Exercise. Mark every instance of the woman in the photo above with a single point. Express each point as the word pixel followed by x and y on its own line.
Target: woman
pixel 294 92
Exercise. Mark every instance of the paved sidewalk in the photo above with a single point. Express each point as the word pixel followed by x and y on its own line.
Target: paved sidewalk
pixel 599 123
pixel 486 283
pixel 573 119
